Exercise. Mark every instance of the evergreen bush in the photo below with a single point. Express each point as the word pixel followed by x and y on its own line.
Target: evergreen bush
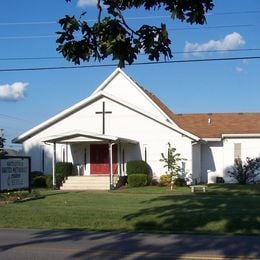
pixel 49 181
pixel 179 182
pixel 39 182
pixel 36 174
pixel 62 170
pixel 137 166
pixel 137 180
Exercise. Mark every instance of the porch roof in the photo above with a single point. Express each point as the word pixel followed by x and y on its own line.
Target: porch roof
pixel 86 137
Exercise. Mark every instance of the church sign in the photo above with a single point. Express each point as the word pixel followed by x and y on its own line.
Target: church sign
pixel 15 173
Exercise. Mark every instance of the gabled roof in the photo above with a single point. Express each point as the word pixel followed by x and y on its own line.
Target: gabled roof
pixel 195 126
pixel 158 102
pixel 98 94
pixel 215 125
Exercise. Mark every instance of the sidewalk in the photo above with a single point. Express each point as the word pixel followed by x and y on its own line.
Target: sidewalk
pixel 62 244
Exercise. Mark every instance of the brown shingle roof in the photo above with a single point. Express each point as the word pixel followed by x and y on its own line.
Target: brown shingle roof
pixel 216 124
pixel 158 102
pixel 212 125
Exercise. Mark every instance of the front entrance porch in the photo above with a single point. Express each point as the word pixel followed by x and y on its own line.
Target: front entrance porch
pixel 101 156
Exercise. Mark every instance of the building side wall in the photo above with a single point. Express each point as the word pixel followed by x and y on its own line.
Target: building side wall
pixel 211 161
pixel 250 147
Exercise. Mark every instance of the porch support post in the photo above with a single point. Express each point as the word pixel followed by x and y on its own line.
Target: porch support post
pixel 111 164
pixel 53 166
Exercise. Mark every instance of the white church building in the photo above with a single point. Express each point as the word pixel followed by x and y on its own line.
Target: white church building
pixel 122 121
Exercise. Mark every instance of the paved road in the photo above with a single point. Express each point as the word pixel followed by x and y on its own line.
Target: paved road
pixel 49 244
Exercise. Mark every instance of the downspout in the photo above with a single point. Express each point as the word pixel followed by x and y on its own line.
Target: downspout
pixel 111 165
pixel 54 166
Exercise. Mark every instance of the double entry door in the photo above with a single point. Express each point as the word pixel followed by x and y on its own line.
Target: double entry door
pixel 99 159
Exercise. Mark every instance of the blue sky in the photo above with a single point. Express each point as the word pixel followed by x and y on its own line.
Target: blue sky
pixel 27 40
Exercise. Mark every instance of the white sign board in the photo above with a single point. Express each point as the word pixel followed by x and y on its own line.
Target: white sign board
pixel 14 173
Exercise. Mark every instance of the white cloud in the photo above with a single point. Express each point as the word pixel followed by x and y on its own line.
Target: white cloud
pixel 230 42
pixel 245 61
pixel 83 3
pixel 239 70
pixel 13 92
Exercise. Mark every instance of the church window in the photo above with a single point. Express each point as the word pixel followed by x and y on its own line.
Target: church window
pixel 237 150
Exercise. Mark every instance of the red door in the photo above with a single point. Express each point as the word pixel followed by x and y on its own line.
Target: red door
pixel 99 159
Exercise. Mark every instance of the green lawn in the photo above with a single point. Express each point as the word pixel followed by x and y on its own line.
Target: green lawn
pixel 224 209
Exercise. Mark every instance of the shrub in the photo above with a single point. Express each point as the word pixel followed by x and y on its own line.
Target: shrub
pixel 137 180
pixel 137 167
pixel 36 174
pixel 180 182
pixel 49 181
pixel 247 172
pixel 166 179
pixel 39 182
pixel 62 170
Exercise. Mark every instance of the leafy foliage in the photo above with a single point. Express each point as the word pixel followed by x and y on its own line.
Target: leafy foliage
pixel 165 179
pixel 247 172
pixel 180 182
pixel 137 180
pixel 137 166
pixel 49 180
pixel 2 142
pixel 112 36
pixel 62 170
pixel 39 182
pixel 172 161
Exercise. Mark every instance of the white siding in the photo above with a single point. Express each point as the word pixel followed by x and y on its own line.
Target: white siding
pixel 211 161
pixel 123 122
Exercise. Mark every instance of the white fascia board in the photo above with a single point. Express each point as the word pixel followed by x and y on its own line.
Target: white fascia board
pixel 151 116
pixel 56 118
pixel 81 136
pixel 212 139
pixel 75 135
pixel 256 135
pixel 108 80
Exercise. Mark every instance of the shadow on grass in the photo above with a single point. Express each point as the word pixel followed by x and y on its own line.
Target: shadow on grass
pixel 112 245
pixel 200 213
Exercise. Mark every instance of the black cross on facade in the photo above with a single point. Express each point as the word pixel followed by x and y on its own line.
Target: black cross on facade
pixel 103 112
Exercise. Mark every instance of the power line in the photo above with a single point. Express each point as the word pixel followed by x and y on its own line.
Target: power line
pixel 175 52
pixel 27 37
pixel 170 29
pixel 212 27
pixel 30 58
pixel 14 118
pixel 137 63
pixel 236 12
pixel 129 18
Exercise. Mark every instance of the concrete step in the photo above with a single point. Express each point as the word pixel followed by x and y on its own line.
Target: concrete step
pixel 86 183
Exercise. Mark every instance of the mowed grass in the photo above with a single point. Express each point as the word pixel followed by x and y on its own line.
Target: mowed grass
pixel 224 209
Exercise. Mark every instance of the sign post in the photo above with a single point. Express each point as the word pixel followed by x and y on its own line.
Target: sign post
pixel 15 173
